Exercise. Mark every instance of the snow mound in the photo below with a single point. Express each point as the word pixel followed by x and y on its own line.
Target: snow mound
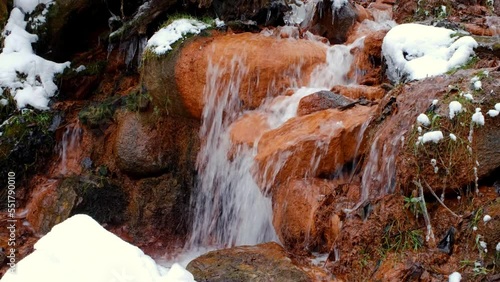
pixel 455 108
pixel 433 136
pixel 423 119
pixel 81 250
pixel 28 77
pixel 415 51
pixel 478 117
pixel 455 277
pixel 161 41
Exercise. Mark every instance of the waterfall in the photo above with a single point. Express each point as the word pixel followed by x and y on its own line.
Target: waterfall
pixel 229 206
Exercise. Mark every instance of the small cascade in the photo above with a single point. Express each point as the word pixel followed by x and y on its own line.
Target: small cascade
pixel 69 147
pixel 230 208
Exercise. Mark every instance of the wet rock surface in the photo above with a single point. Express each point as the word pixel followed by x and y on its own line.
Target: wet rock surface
pixel 321 101
pixel 144 148
pixel 263 262
pixel 340 185
pixel 309 144
pixel 249 54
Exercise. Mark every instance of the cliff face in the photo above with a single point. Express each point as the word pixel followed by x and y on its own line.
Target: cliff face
pixel 298 125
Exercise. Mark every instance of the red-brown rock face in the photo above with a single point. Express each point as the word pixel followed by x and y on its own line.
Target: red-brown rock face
pixel 317 144
pixel 270 65
pixel 295 209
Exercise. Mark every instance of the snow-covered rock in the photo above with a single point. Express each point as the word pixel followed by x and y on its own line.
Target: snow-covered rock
pixel 415 51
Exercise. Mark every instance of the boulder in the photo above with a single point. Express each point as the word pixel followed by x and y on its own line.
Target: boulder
pixel 312 145
pixel 333 21
pixel 159 207
pixel 367 66
pixel 177 81
pixel 297 206
pixel 145 146
pixel 321 100
pixel 264 262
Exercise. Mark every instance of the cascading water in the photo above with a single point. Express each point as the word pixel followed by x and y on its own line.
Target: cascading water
pixel 230 208
pixel 68 145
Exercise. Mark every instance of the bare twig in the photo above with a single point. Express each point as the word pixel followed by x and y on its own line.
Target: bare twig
pixel 430 234
pixel 439 200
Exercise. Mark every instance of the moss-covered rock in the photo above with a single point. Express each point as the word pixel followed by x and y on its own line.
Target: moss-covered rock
pixel 26 144
pixel 160 204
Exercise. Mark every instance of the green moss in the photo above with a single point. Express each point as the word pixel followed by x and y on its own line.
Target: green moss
pixel 99 113
pixel 25 145
pixel 469 65
pixel 137 101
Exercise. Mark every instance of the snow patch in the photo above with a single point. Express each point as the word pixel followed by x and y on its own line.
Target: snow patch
pixel 415 51
pixel 478 117
pixel 497 248
pixel 455 108
pixel 486 218
pixel 468 96
pixel 478 85
pixel 453 137
pixel 28 77
pixel 433 136
pixel 493 113
pixel 497 107
pixel 80 250
pixel 161 41
pixel 455 277
pixel 424 120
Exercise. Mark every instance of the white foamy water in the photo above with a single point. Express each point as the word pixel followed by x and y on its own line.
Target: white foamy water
pixel 229 207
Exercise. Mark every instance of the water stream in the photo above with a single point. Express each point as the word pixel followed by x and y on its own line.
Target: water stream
pixel 230 209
